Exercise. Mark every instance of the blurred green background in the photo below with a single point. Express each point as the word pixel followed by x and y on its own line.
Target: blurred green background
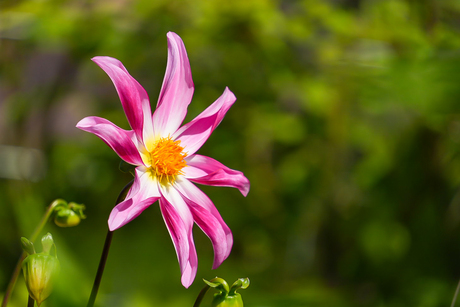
pixel 347 124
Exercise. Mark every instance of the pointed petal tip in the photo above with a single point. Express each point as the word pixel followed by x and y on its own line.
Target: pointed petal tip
pixel 186 284
pixel 218 260
pixel 188 276
pixel 113 226
pixel 229 92
pixel 174 38
pixel 118 217
pixel 171 34
pixel 86 122
pixel 98 59
pixel 106 61
pixel 114 223
pixel 117 220
pixel 101 58
pixel 79 124
pixel 245 189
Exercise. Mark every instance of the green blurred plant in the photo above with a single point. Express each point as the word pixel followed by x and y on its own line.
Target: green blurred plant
pixel 65 215
pixel 68 215
pixel 40 269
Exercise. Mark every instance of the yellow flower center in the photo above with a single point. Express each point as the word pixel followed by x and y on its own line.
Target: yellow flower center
pixel 167 160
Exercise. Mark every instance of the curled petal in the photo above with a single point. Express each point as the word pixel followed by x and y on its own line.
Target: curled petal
pixel 193 134
pixel 205 170
pixel 176 91
pixel 142 194
pixel 179 222
pixel 133 97
pixel 120 140
pixel 208 219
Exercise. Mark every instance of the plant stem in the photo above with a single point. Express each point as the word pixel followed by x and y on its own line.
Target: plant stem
pixel 105 251
pixel 201 296
pixel 34 236
pixel 455 295
pixel 30 302
pixel 100 269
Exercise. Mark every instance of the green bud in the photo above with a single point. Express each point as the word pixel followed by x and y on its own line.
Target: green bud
pixel 48 243
pixel 40 269
pixel 227 297
pixel 27 246
pixel 69 215
pixel 227 301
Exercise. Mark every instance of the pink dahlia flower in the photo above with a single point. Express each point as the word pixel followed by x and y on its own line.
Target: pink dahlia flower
pixel 166 159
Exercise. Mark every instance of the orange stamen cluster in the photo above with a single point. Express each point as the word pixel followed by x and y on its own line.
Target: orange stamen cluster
pixel 167 160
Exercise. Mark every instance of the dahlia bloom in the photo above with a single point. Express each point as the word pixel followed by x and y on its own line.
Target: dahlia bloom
pixel 166 159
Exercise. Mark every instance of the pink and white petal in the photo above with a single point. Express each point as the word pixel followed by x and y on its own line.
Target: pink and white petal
pixel 189 274
pixel 195 133
pixel 176 91
pixel 142 194
pixel 208 219
pixel 120 140
pixel 205 170
pixel 179 222
pixel 133 96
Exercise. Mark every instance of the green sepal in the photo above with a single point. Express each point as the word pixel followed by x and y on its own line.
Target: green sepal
pixel 48 244
pixel 241 283
pixel 218 284
pixel 27 246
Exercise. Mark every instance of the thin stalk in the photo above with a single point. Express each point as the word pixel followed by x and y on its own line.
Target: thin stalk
pixel 201 296
pixel 100 269
pixel 105 251
pixel 455 295
pixel 30 302
pixel 17 269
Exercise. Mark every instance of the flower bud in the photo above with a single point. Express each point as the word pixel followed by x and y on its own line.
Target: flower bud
pixel 69 215
pixel 40 269
pixel 27 246
pixel 227 297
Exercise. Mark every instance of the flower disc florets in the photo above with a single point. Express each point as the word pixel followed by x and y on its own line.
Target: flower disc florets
pixel 167 160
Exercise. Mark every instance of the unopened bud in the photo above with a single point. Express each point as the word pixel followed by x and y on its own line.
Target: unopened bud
pixel 227 297
pixel 27 246
pixel 40 269
pixel 69 215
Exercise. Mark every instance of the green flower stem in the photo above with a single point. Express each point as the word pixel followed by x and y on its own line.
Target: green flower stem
pixel 105 251
pixel 201 296
pixel 30 302
pixel 455 295
pixel 100 269
pixel 34 236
